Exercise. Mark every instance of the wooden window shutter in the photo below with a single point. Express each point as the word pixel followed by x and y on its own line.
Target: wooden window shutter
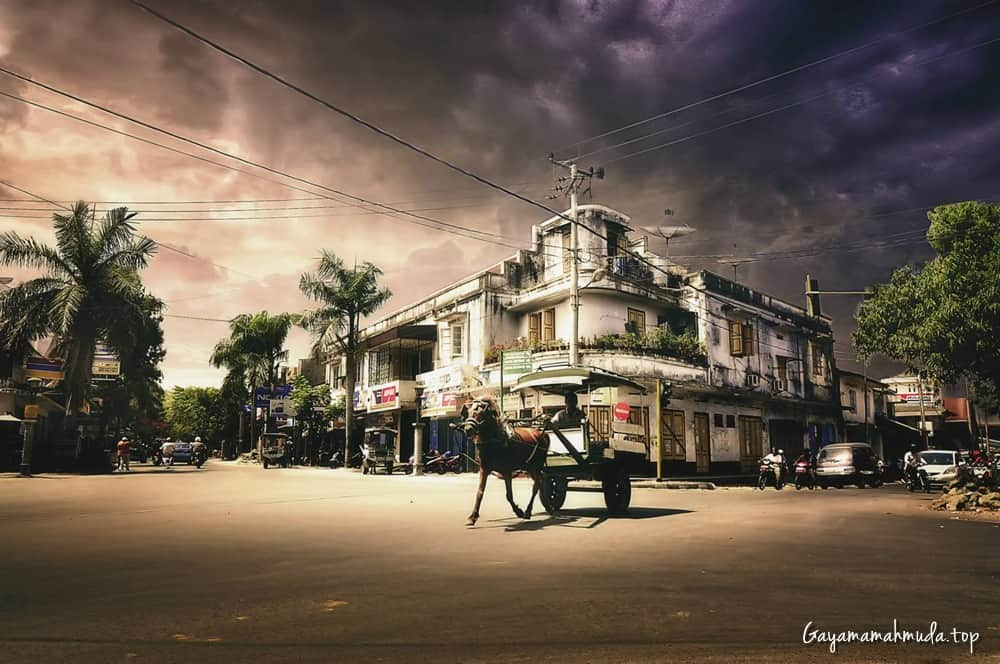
pixel 534 321
pixel 549 325
pixel 735 338
pixel 748 343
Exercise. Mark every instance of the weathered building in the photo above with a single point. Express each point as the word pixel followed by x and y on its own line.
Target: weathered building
pixel 748 371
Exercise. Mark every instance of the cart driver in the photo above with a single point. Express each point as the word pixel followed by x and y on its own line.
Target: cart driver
pixel 571 416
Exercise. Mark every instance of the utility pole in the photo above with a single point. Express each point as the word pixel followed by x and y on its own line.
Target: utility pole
pixel 923 417
pixel 865 393
pixel 572 185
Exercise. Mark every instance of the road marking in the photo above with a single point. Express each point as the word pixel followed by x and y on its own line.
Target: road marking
pixel 242 618
pixel 333 604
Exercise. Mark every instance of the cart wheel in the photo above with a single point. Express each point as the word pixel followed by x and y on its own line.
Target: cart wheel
pixel 617 492
pixel 553 493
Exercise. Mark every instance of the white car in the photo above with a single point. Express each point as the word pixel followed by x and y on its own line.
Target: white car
pixel 942 466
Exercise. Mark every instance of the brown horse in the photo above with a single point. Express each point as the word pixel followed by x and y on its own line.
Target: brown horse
pixel 503 449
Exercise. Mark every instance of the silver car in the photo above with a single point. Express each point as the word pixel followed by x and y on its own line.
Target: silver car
pixel 839 464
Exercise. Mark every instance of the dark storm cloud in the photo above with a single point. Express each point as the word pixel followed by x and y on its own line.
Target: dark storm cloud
pixel 497 85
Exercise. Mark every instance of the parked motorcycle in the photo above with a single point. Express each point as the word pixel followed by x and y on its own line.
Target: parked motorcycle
pixel 453 462
pixel 769 472
pixel 804 475
pixel 435 462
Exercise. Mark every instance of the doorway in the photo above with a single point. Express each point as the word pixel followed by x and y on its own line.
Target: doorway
pixel 702 443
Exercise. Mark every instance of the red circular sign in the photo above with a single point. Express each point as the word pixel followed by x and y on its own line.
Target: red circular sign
pixel 621 411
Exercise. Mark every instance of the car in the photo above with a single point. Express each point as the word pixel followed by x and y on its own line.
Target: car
pixel 138 452
pixel 182 451
pixel 942 466
pixel 840 464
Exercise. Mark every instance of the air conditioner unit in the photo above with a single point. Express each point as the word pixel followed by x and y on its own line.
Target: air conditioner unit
pixel 752 380
pixel 780 385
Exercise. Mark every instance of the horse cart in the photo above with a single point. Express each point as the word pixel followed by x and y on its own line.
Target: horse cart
pixel 572 454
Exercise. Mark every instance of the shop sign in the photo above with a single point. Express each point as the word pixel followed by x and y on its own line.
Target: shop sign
pixel 383 397
pixel 106 362
pixel 516 362
pixel 39 367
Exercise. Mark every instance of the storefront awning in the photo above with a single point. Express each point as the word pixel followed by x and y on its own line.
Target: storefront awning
pixel 905 426
pixel 572 379
pixel 404 332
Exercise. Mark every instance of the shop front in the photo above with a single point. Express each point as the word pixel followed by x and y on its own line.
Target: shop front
pixel 444 392
pixel 393 405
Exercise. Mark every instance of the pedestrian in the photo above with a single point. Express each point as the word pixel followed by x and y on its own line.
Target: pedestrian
pixel 123 451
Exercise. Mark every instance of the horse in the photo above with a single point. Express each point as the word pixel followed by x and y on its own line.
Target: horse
pixel 503 449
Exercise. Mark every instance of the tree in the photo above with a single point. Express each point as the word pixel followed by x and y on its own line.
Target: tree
pixel 254 349
pixel 195 411
pixel 942 318
pixel 136 394
pixel 90 287
pixel 312 403
pixel 346 295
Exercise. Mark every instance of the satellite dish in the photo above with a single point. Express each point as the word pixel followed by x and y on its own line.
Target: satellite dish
pixel 670 232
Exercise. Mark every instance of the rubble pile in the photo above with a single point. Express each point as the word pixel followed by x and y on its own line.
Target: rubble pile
pixel 968 496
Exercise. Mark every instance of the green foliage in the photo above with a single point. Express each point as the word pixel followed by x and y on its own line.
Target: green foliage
pixel 312 404
pixel 254 347
pixel 89 290
pixel 659 341
pixel 197 411
pixel 943 318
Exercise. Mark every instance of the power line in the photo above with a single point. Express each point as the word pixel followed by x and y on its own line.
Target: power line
pixel 213 320
pixel 220 152
pixel 160 244
pixel 788 72
pixel 790 105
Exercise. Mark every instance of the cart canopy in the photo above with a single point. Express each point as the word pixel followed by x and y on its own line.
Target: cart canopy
pixel 574 379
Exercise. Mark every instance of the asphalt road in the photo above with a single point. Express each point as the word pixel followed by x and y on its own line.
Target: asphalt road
pixel 233 563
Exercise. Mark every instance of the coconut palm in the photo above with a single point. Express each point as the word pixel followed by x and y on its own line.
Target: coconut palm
pixel 90 287
pixel 254 348
pixel 346 295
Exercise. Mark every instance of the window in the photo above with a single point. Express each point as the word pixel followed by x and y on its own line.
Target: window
pixel 741 341
pixel 567 251
pixel 672 434
pixel 457 336
pixel 852 397
pixel 636 321
pixel 818 359
pixel 549 325
pixel 379 367
pixel 617 241
pixel 718 420
pixel 783 370
pixel 730 421
pixel 542 326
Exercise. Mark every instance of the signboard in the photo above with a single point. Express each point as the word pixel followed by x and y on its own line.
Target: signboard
pixel 621 411
pixel 516 362
pixel 39 367
pixel 383 397
pixel 106 362
pixel 445 389
pixel 278 401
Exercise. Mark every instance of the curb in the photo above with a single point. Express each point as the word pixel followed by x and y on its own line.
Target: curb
pixel 674 485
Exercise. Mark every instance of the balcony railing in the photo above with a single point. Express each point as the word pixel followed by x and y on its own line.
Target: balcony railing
pixel 628 267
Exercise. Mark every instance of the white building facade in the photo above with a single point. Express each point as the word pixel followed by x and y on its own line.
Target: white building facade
pixel 748 371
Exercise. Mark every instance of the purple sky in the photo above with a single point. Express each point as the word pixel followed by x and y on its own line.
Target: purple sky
pixel 496 87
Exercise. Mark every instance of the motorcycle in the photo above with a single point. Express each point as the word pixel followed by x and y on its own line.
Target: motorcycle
pixel 435 462
pixel 453 462
pixel 769 469
pixel 916 479
pixel 804 475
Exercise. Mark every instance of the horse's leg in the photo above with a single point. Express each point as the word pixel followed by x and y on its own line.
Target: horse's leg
pixel 508 478
pixel 536 486
pixel 483 475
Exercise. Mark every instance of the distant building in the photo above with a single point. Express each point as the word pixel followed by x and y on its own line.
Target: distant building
pixel 864 404
pixel 946 411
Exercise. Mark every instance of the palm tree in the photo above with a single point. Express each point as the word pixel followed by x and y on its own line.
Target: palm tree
pixel 254 348
pixel 90 289
pixel 346 296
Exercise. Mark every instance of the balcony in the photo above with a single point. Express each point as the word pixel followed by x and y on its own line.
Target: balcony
pixel 629 268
